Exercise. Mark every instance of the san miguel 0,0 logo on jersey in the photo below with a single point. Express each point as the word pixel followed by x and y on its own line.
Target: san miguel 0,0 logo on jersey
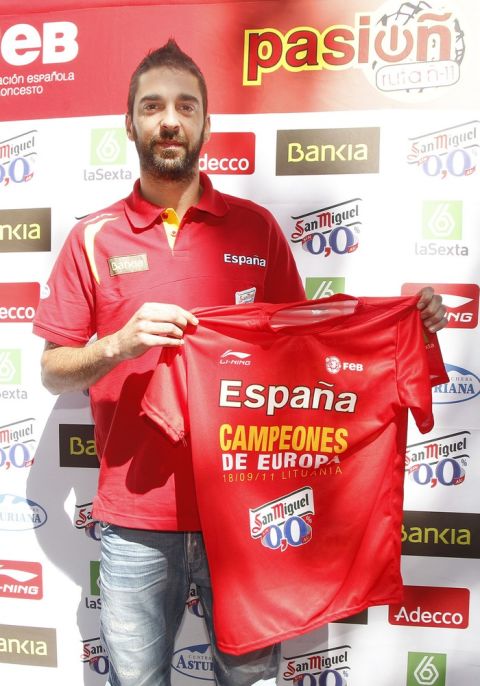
pixel 284 521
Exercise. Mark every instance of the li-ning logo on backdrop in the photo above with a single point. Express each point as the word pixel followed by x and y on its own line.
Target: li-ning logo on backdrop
pixel 17 158
pixel 408 49
pixel 285 521
pixel 21 579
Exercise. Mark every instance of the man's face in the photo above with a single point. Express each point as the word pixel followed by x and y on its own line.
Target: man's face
pixel 168 124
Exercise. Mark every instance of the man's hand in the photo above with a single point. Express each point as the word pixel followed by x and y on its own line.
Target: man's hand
pixel 154 324
pixel 432 312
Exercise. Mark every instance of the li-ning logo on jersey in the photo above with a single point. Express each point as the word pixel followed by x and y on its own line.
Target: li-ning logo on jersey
pixel 254 260
pixel 334 365
pixel 127 264
pixel 284 521
pixel 235 357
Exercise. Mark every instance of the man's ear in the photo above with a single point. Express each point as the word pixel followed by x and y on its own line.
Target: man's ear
pixel 206 130
pixel 129 127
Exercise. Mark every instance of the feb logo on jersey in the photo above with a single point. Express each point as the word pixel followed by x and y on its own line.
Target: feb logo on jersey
pixel 334 365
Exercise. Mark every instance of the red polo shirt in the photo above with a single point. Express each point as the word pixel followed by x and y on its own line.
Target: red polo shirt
pixel 228 250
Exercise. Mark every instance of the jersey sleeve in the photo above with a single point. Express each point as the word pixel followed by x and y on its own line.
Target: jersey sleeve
pixel 419 367
pixel 283 283
pixel 165 400
pixel 66 315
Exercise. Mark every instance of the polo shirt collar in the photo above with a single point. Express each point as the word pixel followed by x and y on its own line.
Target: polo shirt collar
pixel 142 213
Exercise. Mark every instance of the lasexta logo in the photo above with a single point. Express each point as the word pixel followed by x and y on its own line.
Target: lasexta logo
pixel 442 220
pixel 18 302
pixel 108 146
pixel 10 366
pixel 426 669
pixel 229 153
pixel 323 286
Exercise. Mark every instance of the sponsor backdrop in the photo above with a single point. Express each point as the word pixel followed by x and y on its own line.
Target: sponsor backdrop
pixel 358 124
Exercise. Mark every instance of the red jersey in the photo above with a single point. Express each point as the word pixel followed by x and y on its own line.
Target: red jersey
pixel 297 416
pixel 227 250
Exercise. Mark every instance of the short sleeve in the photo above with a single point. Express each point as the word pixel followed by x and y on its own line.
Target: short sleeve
pixel 165 400
pixel 283 283
pixel 419 367
pixel 67 315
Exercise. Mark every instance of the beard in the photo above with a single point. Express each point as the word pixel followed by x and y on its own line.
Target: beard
pixel 169 165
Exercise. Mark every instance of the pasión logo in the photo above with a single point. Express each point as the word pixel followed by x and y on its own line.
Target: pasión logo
pixel 328 151
pixel 17 444
pixel 285 521
pixel 331 230
pixel 429 606
pixel 25 230
pixel 463 385
pixel 108 147
pixel 438 461
pixel 20 514
pixel 17 158
pixel 410 48
pixel 194 661
pixel 441 534
pixel 77 446
pixel 21 580
pixel 447 152
pixel 442 221
pixel 460 299
pixel 229 153
pixel 28 645
pixel 322 667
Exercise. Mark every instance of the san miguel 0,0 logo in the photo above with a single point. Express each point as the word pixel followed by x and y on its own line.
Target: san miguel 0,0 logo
pixel 405 49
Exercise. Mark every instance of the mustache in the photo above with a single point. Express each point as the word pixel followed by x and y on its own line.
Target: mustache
pixel 170 136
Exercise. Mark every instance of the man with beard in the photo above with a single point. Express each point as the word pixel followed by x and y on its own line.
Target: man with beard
pixel 122 288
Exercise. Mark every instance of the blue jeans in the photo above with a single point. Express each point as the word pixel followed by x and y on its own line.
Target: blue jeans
pixel 145 579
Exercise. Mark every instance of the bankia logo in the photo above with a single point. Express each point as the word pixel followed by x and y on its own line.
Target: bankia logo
pixel 441 534
pixel 462 385
pixel 426 669
pixel 328 151
pixel 77 446
pixel 331 230
pixel 430 606
pixel 28 645
pixel 320 668
pixel 405 49
pixel 108 148
pixel 439 461
pixel 18 156
pixel 19 579
pixel 442 221
pixel 460 299
pixel 20 514
pixel 194 661
pixel 18 302
pixel 449 152
pixel 229 153
pixel 26 230
pixel 17 444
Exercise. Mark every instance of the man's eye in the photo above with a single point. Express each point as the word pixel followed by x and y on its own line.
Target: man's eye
pixel 151 106
pixel 187 108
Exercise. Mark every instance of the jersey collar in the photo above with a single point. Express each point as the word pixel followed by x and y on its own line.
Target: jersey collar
pixel 141 213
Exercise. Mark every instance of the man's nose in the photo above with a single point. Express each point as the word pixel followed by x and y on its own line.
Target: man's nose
pixel 170 118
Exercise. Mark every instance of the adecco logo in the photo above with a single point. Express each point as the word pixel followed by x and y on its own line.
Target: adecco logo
pixel 229 153
pixel 55 42
pixel 430 606
pixel 195 662
pixel 20 514
pixel 18 302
